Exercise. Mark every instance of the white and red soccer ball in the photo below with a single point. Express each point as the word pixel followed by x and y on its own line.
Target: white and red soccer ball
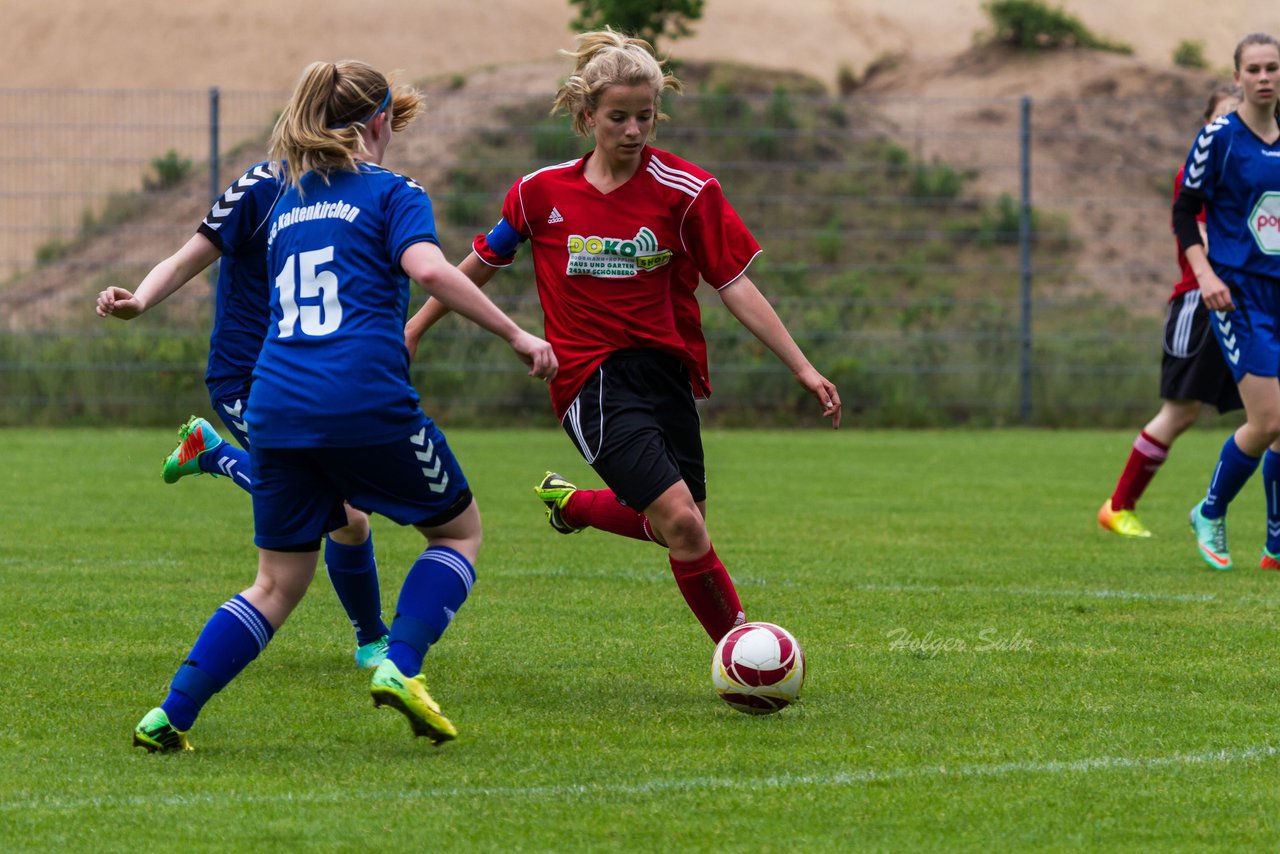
pixel 758 668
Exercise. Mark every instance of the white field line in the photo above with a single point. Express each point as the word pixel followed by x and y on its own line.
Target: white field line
pixel 1133 595
pixel 658 576
pixel 837 779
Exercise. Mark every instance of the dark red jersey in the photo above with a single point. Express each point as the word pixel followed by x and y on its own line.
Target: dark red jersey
pixel 618 270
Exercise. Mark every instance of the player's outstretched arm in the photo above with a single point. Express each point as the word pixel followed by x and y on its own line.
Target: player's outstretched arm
pixel 426 265
pixel 165 278
pixel 748 305
pixel 432 310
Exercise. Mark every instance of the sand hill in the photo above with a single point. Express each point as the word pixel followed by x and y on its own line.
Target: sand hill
pixel 509 46
pixel 247 44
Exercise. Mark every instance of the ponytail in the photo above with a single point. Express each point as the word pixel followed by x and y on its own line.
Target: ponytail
pixel 321 128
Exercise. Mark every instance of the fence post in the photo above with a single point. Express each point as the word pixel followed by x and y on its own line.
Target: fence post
pixel 215 170
pixel 1024 256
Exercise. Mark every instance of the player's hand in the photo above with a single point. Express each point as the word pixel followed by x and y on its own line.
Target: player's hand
pixel 1215 294
pixel 118 302
pixel 825 392
pixel 411 344
pixel 537 354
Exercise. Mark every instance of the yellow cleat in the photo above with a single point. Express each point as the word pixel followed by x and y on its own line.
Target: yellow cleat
pixel 409 696
pixel 1123 522
pixel 157 735
pixel 555 492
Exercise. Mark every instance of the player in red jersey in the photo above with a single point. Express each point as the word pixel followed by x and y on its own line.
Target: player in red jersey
pixel 1192 373
pixel 620 239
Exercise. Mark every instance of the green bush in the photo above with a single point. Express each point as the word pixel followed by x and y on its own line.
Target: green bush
pixel 1190 54
pixel 168 171
pixel 1002 224
pixel 1030 24
pixel 936 180
pixel 648 19
pixel 53 250
pixel 847 80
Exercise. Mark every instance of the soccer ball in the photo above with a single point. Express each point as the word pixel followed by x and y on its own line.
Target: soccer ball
pixel 758 668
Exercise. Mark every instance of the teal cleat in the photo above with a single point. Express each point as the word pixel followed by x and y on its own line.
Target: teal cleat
pixel 409 696
pixel 372 654
pixel 157 735
pixel 555 491
pixel 195 438
pixel 1211 536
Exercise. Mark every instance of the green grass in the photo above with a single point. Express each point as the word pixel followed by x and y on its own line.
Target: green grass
pixel 1130 702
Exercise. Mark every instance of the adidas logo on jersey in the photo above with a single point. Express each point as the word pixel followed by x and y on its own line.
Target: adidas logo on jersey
pixel 555 217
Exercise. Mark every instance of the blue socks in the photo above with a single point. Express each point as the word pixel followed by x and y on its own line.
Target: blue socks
pixel 354 574
pixel 434 590
pixel 1271 486
pixel 228 461
pixel 233 637
pixel 1234 468
pixel 436 587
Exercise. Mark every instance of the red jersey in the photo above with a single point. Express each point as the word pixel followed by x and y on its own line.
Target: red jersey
pixel 1188 281
pixel 618 271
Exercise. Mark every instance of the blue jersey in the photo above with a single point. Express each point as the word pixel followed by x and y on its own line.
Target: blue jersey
pixel 237 225
pixel 1239 177
pixel 334 371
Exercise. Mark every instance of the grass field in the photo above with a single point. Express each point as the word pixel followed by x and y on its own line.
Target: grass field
pixel 988 670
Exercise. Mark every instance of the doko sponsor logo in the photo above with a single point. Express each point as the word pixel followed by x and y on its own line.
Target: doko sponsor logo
pixel 1264 222
pixel 614 258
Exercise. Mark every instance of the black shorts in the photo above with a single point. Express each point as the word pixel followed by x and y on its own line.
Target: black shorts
pixel 1193 367
pixel 635 422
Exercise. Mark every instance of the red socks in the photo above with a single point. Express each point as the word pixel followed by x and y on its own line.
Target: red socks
pixel 599 508
pixel 1145 460
pixel 709 591
pixel 704 583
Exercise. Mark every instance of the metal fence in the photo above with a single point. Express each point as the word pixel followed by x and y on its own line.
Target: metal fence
pixel 978 261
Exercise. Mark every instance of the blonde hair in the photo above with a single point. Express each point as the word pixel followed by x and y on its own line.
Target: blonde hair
pixel 607 58
pixel 320 128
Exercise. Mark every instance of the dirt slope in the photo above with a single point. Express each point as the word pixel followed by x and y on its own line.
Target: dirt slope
pixel 236 44
pixel 248 44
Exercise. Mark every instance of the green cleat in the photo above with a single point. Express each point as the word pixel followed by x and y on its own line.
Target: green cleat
pixel 157 735
pixel 409 696
pixel 1211 536
pixel 195 438
pixel 372 654
pixel 554 491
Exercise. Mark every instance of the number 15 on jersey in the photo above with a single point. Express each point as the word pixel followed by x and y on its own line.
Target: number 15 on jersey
pixel 302 280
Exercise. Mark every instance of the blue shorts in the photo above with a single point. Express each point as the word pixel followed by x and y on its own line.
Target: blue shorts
pixel 1250 335
pixel 232 409
pixel 298 492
